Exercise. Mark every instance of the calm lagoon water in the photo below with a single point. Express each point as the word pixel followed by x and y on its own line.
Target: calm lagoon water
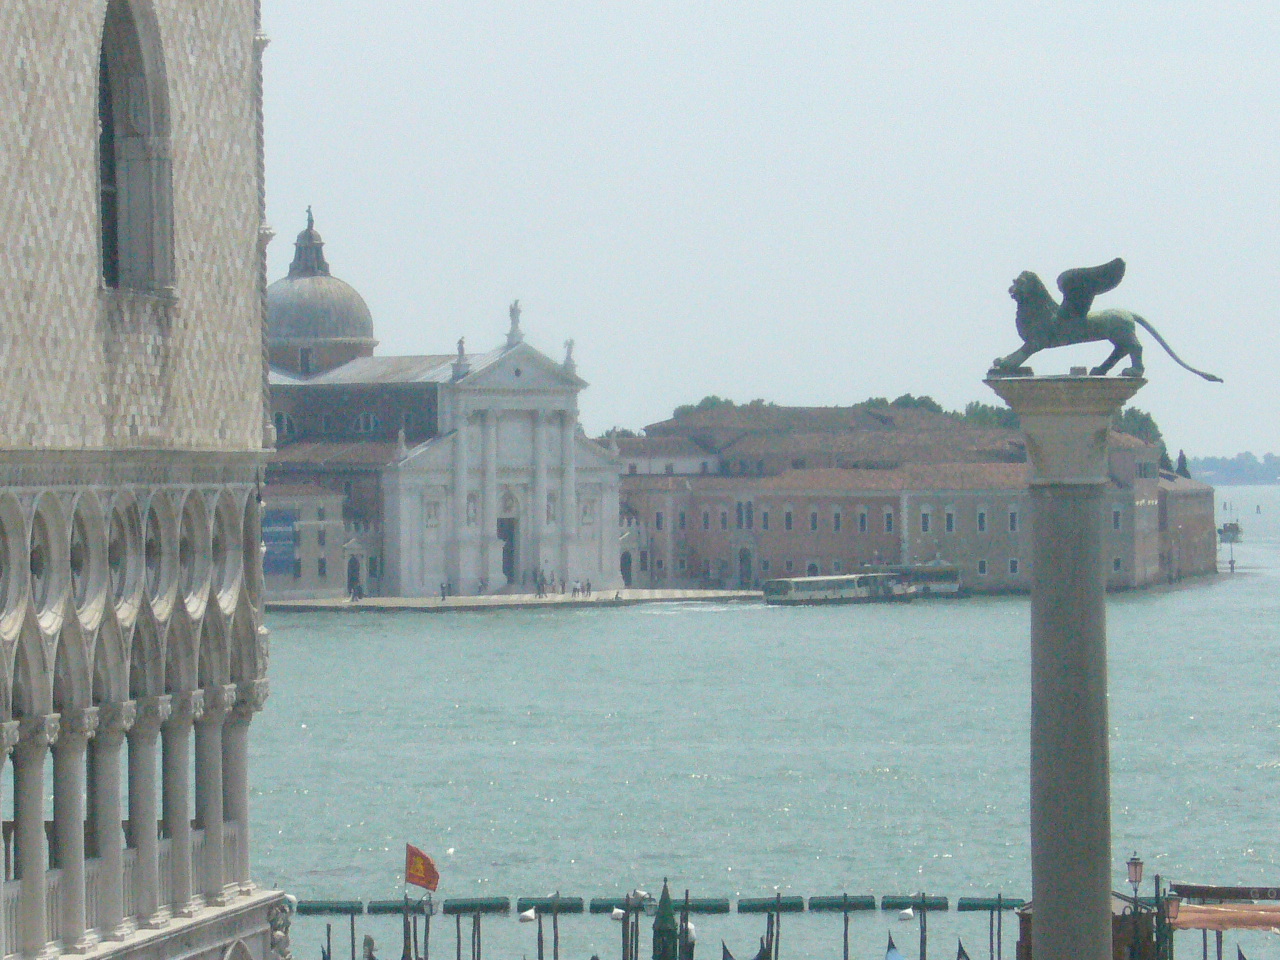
pixel 742 750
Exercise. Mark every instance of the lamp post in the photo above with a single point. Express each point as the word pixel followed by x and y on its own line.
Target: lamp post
pixel 1135 880
pixel 1166 912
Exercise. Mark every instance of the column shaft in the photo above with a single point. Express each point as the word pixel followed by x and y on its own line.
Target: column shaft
pixel 235 789
pixel 568 493
pixel 33 857
pixel 114 719
pixel 68 823
pixel 1070 766
pixel 538 509
pixel 143 822
pixel 176 751
pixel 489 530
pixel 209 812
pixel 461 457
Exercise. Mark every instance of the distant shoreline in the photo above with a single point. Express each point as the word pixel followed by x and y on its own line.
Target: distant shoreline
pixel 510 601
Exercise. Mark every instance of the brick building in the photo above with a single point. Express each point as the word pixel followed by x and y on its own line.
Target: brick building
pixel 820 491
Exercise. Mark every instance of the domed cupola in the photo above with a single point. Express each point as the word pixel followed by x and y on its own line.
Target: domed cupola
pixel 315 321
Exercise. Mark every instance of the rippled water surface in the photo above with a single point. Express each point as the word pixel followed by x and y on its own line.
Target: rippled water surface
pixel 742 749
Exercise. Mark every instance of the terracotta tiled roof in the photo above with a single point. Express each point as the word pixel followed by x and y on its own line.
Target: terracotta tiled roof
pixel 913 477
pixel 329 454
pixel 282 490
pixel 1128 440
pixel 660 447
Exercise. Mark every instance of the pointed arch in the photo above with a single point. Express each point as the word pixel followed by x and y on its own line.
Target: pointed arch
pixel 181 652
pixel 31 691
pixel 110 674
pixel 214 665
pixel 247 644
pixel 135 170
pixel 72 682
pixel 146 656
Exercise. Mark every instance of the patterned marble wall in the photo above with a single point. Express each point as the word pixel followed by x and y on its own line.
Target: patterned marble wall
pixel 91 368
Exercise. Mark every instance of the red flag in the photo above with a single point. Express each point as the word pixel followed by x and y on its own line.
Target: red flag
pixel 419 869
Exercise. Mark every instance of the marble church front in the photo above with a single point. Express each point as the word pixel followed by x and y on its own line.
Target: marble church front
pixel 466 472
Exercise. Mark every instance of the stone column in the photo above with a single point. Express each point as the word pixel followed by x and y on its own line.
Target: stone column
pixel 152 712
pixel 114 721
pixel 461 456
pixel 489 498
pixel 569 520
pixel 218 700
pixel 538 510
pixel 1067 421
pixel 251 697
pixel 36 735
pixel 175 748
pixel 9 732
pixel 77 729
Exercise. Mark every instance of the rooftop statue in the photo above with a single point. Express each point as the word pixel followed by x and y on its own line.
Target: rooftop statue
pixel 1043 322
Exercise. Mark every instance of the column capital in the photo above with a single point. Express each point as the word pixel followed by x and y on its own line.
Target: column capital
pixel 218 701
pixel 150 713
pixel 78 726
pixel 10 731
pixel 1067 422
pixel 115 718
pixel 186 707
pixel 251 697
pixel 39 731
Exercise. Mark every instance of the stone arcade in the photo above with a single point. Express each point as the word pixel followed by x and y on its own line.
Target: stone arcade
pixel 131 436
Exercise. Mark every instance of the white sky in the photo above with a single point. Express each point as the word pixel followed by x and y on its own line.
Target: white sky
pixel 808 202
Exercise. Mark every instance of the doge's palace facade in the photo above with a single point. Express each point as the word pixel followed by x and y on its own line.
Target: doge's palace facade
pixel 131 433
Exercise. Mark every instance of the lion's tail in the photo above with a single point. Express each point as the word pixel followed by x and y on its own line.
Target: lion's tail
pixel 1169 350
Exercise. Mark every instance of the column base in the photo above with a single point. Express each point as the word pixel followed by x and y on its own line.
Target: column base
pixel 157 920
pixel 189 909
pixel 121 931
pixel 246 887
pixel 85 944
pixel 50 950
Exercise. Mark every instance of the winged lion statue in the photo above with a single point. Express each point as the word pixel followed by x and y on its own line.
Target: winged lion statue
pixel 1044 323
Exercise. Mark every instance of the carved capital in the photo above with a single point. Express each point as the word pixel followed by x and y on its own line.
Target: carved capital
pixel 78 726
pixel 251 697
pixel 151 713
pixel 218 701
pixel 10 730
pixel 115 718
pixel 41 731
pixel 186 707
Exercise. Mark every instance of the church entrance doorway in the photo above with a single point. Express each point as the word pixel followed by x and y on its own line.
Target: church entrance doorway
pixel 744 568
pixel 626 568
pixel 353 575
pixel 507 534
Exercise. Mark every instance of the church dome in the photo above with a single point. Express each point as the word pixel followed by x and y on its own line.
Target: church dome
pixel 309 304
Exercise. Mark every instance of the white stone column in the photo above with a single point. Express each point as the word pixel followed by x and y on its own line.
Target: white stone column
pixel 538 509
pixel 77 729
pixel 461 458
pixel 1066 421
pixel 185 710
pixel 569 520
pixel 36 735
pixel 9 732
pixel 489 498
pixel 152 712
pixel 114 721
pixel 250 699
pixel 218 701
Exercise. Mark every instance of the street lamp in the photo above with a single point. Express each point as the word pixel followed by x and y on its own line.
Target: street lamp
pixel 1135 879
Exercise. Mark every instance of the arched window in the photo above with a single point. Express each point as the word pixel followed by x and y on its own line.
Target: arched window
pixel 135 180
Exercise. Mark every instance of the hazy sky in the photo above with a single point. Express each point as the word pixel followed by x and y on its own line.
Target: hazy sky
pixel 809 202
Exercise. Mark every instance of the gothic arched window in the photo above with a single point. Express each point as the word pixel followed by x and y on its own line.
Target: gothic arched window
pixel 135 180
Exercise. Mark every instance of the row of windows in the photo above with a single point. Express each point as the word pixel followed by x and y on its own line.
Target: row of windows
pixel 322 568
pixel 362 423
pixel 744 518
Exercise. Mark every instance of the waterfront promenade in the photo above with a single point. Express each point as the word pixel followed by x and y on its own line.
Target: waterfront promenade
pixel 510 601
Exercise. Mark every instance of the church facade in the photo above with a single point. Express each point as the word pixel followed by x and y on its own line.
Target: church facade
pixel 132 435
pixel 464 472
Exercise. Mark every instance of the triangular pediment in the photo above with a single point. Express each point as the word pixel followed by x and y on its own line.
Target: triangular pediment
pixel 521 368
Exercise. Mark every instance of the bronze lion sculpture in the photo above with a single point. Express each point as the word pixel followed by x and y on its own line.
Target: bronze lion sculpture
pixel 1043 322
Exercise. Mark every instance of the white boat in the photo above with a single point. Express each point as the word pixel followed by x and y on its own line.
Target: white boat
pixel 849 588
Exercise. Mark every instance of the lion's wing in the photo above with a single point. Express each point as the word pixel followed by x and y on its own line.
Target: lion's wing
pixel 1081 285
